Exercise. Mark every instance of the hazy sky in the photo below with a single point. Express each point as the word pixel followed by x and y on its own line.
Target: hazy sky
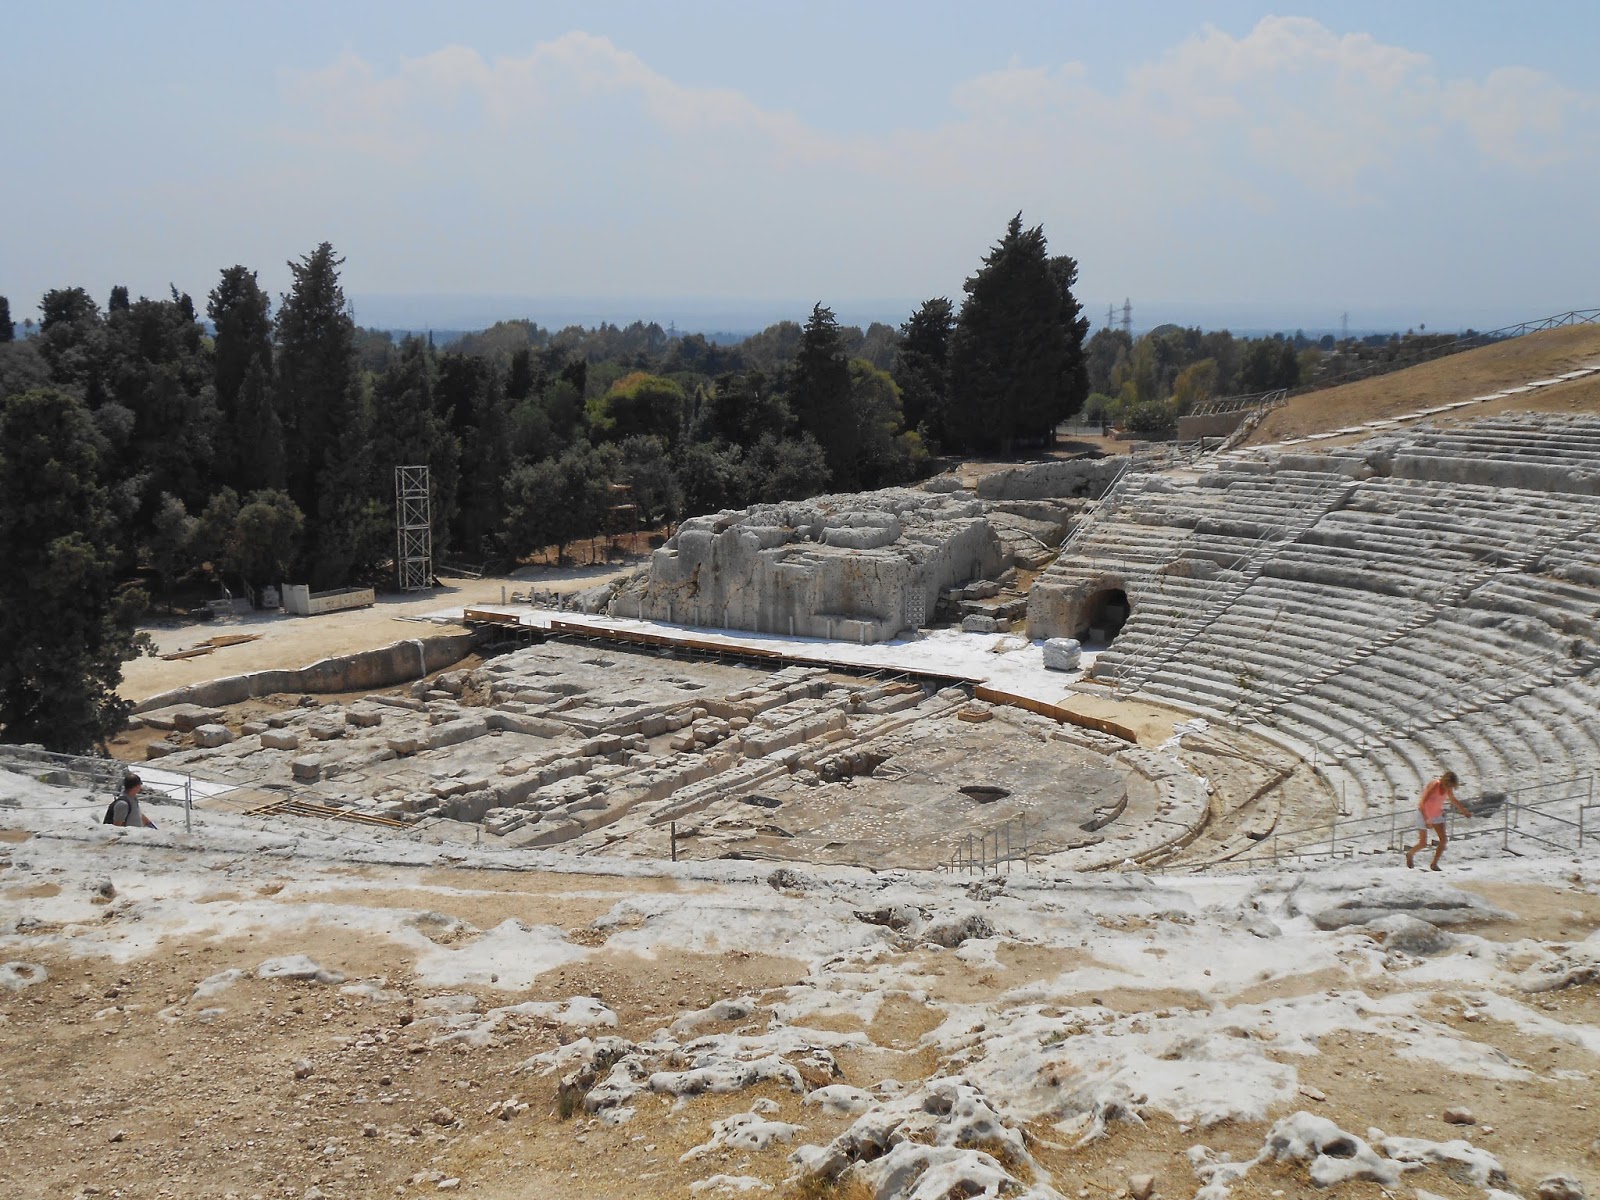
pixel 1435 162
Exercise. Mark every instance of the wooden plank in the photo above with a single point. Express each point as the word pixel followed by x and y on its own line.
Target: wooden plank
pixel 481 616
pixel 1055 712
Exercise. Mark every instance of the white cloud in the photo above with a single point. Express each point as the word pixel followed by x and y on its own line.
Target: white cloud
pixel 580 162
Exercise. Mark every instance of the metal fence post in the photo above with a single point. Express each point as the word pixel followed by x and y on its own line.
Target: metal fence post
pixel 188 803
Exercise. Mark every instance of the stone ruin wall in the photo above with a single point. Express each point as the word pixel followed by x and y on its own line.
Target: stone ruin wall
pixel 851 567
pixel 835 567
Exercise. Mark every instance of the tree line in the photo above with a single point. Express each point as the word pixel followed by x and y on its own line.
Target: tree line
pixel 1146 383
pixel 155 447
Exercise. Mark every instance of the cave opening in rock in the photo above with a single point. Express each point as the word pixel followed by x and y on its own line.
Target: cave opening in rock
pixel 1105 614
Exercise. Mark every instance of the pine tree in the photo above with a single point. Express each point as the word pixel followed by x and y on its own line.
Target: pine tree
pixel 7 331
pixel 1016 353
pixel 819 393
pixel 65 627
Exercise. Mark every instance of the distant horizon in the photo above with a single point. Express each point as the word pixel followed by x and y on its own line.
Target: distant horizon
pixel 730 315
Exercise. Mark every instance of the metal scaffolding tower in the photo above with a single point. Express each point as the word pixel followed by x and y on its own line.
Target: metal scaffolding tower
pixel 413 520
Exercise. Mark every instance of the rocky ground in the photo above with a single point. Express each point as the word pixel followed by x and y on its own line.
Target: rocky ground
pixel 273 1010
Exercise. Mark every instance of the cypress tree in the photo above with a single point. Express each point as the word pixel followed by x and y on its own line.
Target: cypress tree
pixel 65 627
pixel 259 461
pixel 1016 353
pixel 819 393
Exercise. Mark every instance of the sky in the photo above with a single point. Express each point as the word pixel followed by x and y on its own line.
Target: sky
pixel 1226 164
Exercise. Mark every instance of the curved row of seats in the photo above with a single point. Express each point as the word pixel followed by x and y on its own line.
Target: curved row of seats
pixel 1409 624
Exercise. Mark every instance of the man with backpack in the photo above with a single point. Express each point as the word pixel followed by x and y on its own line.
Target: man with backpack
pixel 125 810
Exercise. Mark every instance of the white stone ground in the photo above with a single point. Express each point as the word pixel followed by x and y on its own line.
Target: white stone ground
pixel 1008 662
pixel 1249 978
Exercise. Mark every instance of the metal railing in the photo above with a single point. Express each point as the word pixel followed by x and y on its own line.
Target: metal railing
pixel 1469 341
pixel 1559 814
pixel 1223 405
pixel 987 851
pixel 103 775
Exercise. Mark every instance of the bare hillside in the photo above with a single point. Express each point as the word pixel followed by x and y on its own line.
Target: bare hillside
pixel 1458 377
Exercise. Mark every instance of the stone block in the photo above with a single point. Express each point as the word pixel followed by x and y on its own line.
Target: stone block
pixel 362 718
pixel 280 739
pixel 181 717
pixel 1062 654
pixel 307 770
pixel 159 749
pixel 210 736
pixel 325 730
pixel 251 728
pixel 978 624
pixel 452 733
pixel 408 744
pixel 509 722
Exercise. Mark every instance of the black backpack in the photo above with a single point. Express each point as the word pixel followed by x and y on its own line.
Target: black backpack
pixel 111 810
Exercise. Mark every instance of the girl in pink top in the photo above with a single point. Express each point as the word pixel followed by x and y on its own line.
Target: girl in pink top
pixel 1430 816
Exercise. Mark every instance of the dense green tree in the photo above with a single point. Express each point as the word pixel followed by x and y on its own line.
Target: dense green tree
pixel 315 371
pixel 353 531
pixel 713 477
pixel 1075 371
pixel 1015 356
pixel 7 330
pixel 170 544
pixel 22 367
pixel 1151 419
pixel 739 410
pixel 1269 363
pixel 408 430
pixel 785 469
pixel 241 316
pixel 322 405
pixel 638 405
pixel 469 394
pixel 647 470
pixel 119 301
pixel 921 367
pixel 158 367
pixel 561 404
pixel 559 501
pixel 72 342
pixel 265 539
pixel 819 394
pixel 260 461
pixel 536 511
pixel 1195 383
pixel 878 455
pixel 214 528
pixel 1101 355
pixel 519 379
pixel 66 628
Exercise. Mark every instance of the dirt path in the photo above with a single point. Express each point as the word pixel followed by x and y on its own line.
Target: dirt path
pixel 285 641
